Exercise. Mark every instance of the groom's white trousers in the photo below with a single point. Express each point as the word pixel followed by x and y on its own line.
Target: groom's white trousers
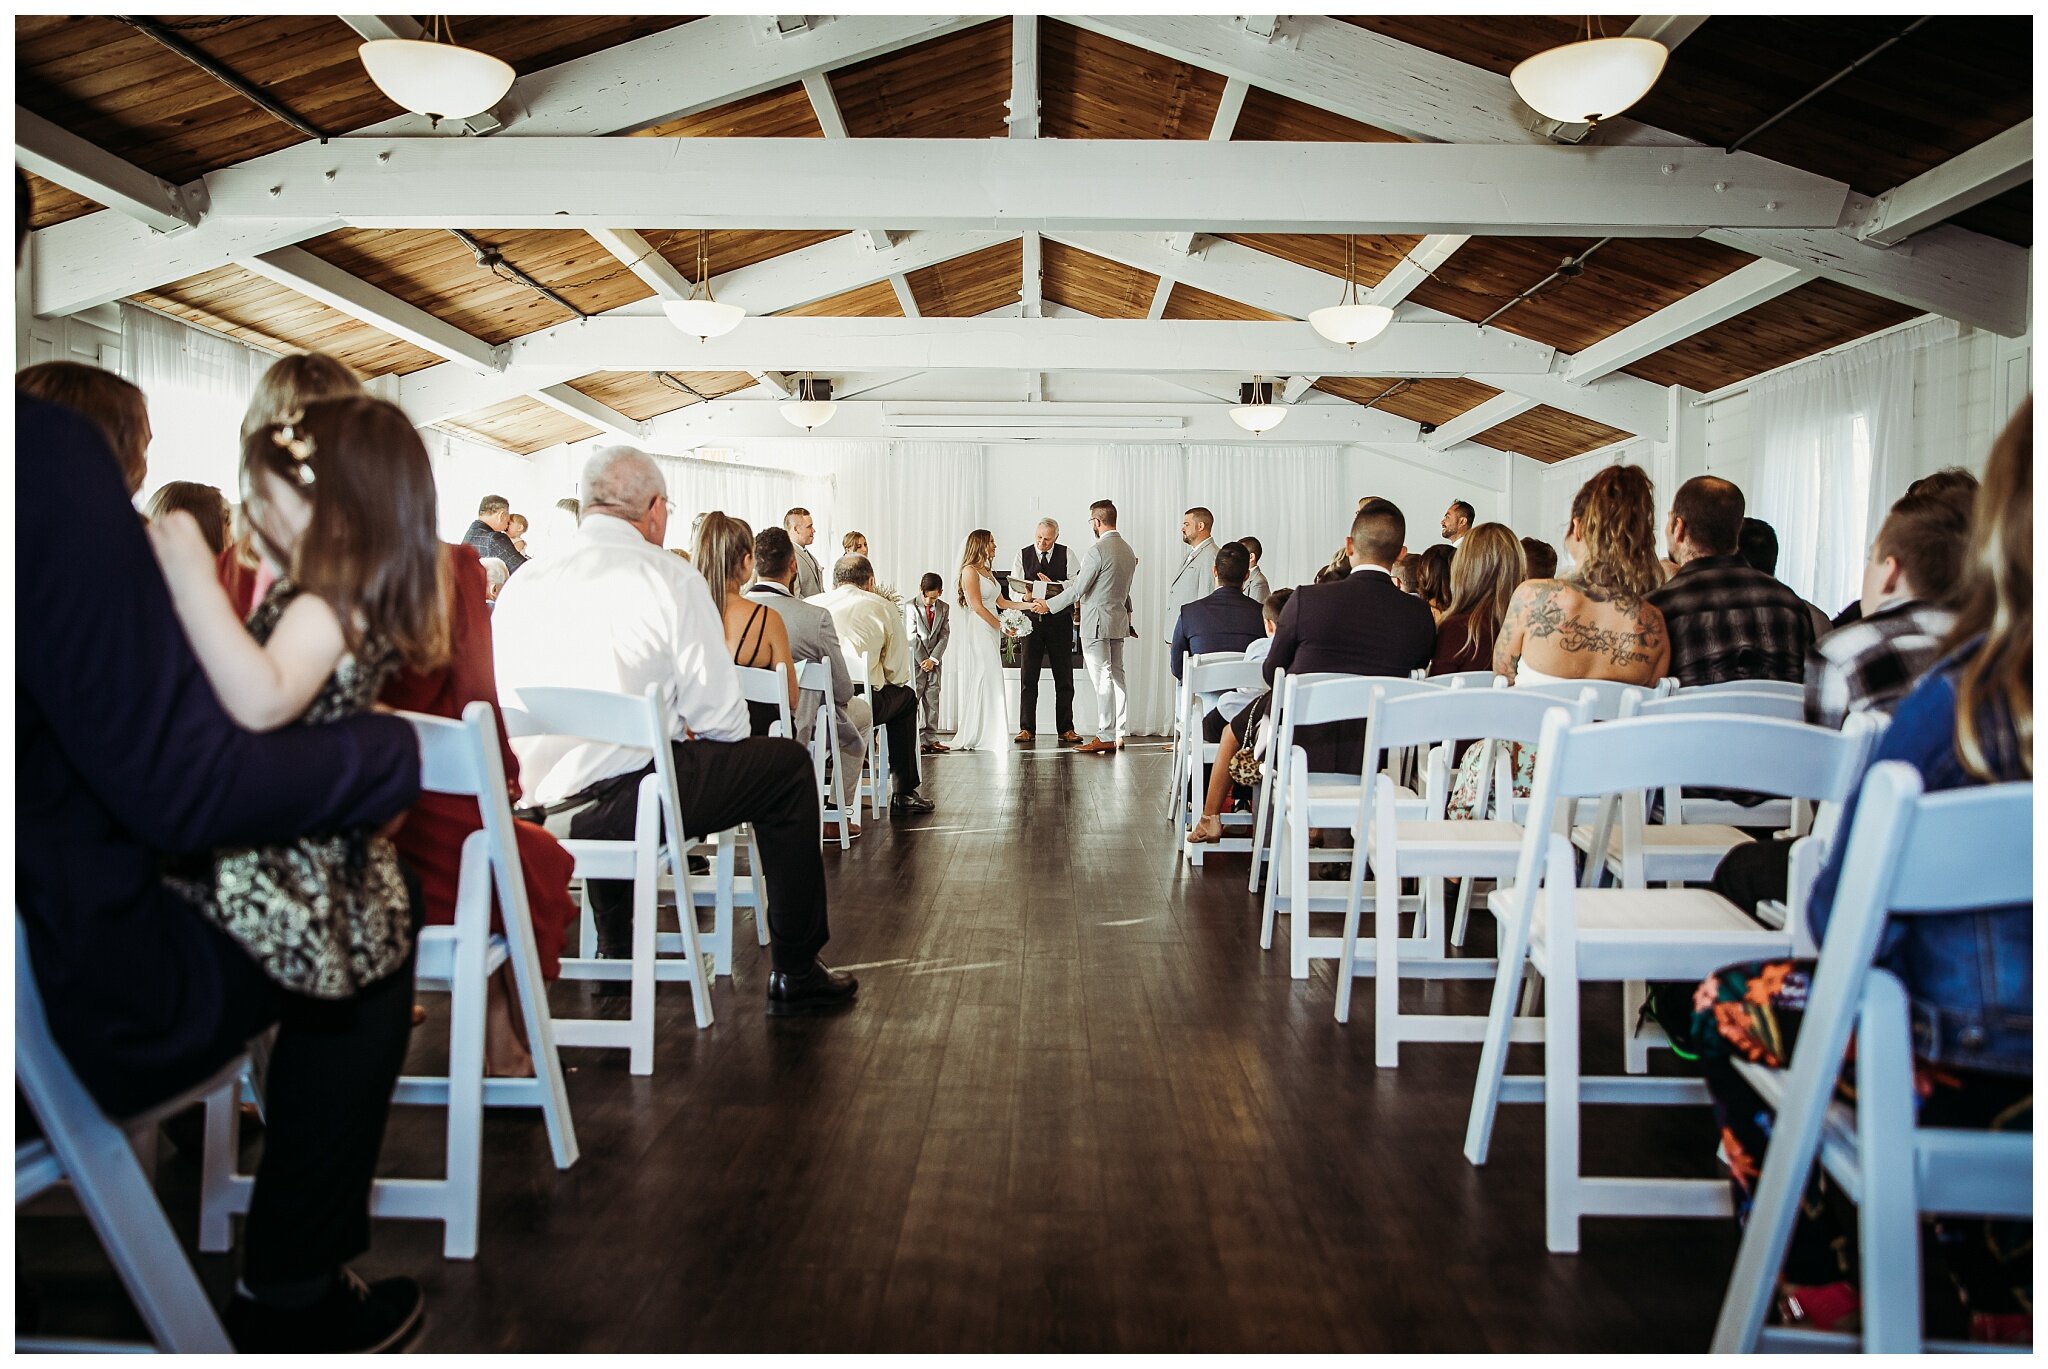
pixel 1105 663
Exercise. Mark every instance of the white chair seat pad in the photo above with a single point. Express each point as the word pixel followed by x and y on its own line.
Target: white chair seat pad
pixel 1455 835
pixel 1660 839
pixel 1650 933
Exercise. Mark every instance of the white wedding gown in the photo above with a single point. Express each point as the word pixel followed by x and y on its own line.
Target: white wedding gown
pixel 974 669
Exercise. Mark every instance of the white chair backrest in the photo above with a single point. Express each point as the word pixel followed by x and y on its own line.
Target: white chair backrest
pixel 1340 698
pixel 1467 679
pixel 591 715
pixel 448 752
pixel 1456 715
pixel 1209 676
pixel 1608 695
pixel 815 677
pixel 771 687
pixel 1788 687
pixel 1761 755
pixel 1747 702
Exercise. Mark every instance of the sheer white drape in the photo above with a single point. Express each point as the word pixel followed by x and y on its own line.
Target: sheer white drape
pixel 197 386
pixel 465 471
pixel 1291 498
pixel 1836 441
pixel 915 502
pixel 758 494
pixel 1148 484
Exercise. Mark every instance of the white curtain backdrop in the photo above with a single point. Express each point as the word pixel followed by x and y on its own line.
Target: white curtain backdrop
pixel 465 471
pixel 197 386
pixel 1291 498
pixel 758 494
pixel 1148 484
pixel 1836 441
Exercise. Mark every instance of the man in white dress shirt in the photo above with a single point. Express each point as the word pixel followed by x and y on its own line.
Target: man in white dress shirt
pixel 613 611
pixel 870 625
pixel 1193 579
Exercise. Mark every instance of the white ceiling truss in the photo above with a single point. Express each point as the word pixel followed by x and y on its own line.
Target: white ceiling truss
pixel 1483 163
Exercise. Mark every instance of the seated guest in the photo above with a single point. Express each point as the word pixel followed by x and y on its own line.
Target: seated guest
pixel 1403 572
pixel 103 399
pixel 1484 573
pixel 1969 721
pixel 931 624
pixel 1224 619
pixel 487 533
pixel 146 997
pixel 1951 484
pixel 1758 546
pixel 1361 625
pixel 870 625
pixel 754 634
pixel 1236 715
pixel 1255 587
pixel 1727 620
pixel 812 637
pixel 291 383
pixel 495 576
pixel 1598 625
pixel 209 509
pixel 430 842
pixel 1541 559
pixel 615 612
pixel 1433 576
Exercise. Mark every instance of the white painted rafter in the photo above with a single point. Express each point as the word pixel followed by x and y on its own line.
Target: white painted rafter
pixel 1992 167
pixel 1023 105
pixel 59 155
pixel 372 27
pixel 1733 294
pixel 1416 267
pixel 1478 419
pixel 1220 130
pixel 1205 419
pixel 641 258
pixel 298 269
pixel 906 299
pixel 1086 184
pixel 1031 290
pixel 774 383
pixel 1160 296
pixel 825 104
pixel 576 404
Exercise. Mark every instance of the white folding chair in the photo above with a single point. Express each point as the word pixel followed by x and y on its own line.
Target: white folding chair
pixel 1184 693
pixel 455 758
pixel 815 678
pixel 874 762
pixel 1467 679
pixel 596 717
pixel 726 896
pixel 1305 801
pixel 1909 855
pixel 1208 676
pixel 1572 936
pixel 1430 848
pixel 92 1152
pixel 1788 689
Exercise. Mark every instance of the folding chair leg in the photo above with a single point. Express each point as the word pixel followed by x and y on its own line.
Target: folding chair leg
pixel 1561 1178
pixel 1274 882
pixel 1500 1021
pixel 760 888
pixel 465 1098
pixel 1464 912
pixel 724 911
pixel 217 1164
pixel 1261 853
pixel 640 1053
pixel 1635 1045
pixel 1386 989
pixel 1297 903
pixel 1347 972
pixel 1888 1213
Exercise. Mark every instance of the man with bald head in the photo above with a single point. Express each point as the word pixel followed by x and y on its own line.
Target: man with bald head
pixel 613 611
pixel 1727 620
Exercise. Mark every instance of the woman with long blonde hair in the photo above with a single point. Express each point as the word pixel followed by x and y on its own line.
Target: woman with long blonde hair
pixel 755 634
pixel 1485 570
pixel 982 721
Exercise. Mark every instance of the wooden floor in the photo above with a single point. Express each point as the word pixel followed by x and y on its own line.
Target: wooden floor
pixel 1076 1108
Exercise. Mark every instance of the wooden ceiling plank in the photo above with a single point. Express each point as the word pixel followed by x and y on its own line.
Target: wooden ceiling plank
pixel 298 269
pixel 59 155
pixel 1964 182
pixel 566 400
pixel 1754 284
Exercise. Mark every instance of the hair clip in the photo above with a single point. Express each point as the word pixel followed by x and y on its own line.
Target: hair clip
pixel 286 435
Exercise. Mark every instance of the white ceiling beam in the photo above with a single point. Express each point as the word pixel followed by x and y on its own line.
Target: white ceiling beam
pixel 1160 296
pixel 1088 344
pixel 1088 184
pixel 1992 167
pixel 1413 269
pixel 1618 401
pixel 643 260
pixel 1296 387
pixel 774 382
pixel 1733 294
pixel 373 27
pixel 785 282
pixel 59 155
pixel 1220 130
pixel 825 104
pixel 1478 419
pixel 693 67
pixel 1022 106
pixel 298 269
pixel 1408 89
pixel 576 404
pixel 906 299
pixel 1032 292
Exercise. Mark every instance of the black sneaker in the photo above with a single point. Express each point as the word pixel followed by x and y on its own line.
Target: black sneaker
pixel 350 1318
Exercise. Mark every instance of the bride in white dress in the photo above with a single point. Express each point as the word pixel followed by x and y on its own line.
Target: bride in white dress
pixel 975 663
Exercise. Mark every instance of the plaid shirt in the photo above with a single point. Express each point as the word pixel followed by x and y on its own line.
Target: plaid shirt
pixel 1730 622
pixel 1874 661
pixel 489 542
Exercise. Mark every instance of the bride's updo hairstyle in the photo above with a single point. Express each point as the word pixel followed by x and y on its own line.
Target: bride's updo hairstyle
pixel 1616 514
pixel 980 551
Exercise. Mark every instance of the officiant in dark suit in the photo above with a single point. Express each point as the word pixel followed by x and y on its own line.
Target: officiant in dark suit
pixel 1046 562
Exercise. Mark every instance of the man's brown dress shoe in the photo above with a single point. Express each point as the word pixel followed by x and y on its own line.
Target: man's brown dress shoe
pixel 1022 738
pixel 1070 738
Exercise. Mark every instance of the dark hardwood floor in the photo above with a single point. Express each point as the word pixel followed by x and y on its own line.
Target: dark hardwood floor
pixel 1076 1108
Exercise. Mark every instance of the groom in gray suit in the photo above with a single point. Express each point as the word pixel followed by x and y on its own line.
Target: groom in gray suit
pixel 1102 586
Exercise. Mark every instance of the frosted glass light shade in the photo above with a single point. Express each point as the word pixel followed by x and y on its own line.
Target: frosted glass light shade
pixel 439 80
pixel 809 414
pixel 1258 418
pixel 1351 324
pixel 707 318
pixel 1581 83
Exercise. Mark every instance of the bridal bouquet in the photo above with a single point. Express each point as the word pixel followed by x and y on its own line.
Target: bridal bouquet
pixel 1016 622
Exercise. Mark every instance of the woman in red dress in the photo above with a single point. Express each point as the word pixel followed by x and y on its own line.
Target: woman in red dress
pixel 431 840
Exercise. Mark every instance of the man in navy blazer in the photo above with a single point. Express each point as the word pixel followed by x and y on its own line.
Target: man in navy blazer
pixel 1363 624
pixel 1224 620
pixel 123 759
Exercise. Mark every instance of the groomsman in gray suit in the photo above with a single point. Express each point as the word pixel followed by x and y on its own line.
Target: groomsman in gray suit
pixel 809 580
pixel 931 623
pixel 1193 580
pixel 1102 586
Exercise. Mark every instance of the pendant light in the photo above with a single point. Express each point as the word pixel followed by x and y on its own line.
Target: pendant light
pixel 1587 81
pixel 813 406
pixel 435 77
pixel 1256 412
pixel 697 312
pixel 1351 320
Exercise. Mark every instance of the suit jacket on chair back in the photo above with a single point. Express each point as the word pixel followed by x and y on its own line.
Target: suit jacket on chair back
pixel 1364 624
pixel 1102 586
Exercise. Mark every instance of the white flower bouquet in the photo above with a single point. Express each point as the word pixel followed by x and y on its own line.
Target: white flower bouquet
pixel 1016 622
